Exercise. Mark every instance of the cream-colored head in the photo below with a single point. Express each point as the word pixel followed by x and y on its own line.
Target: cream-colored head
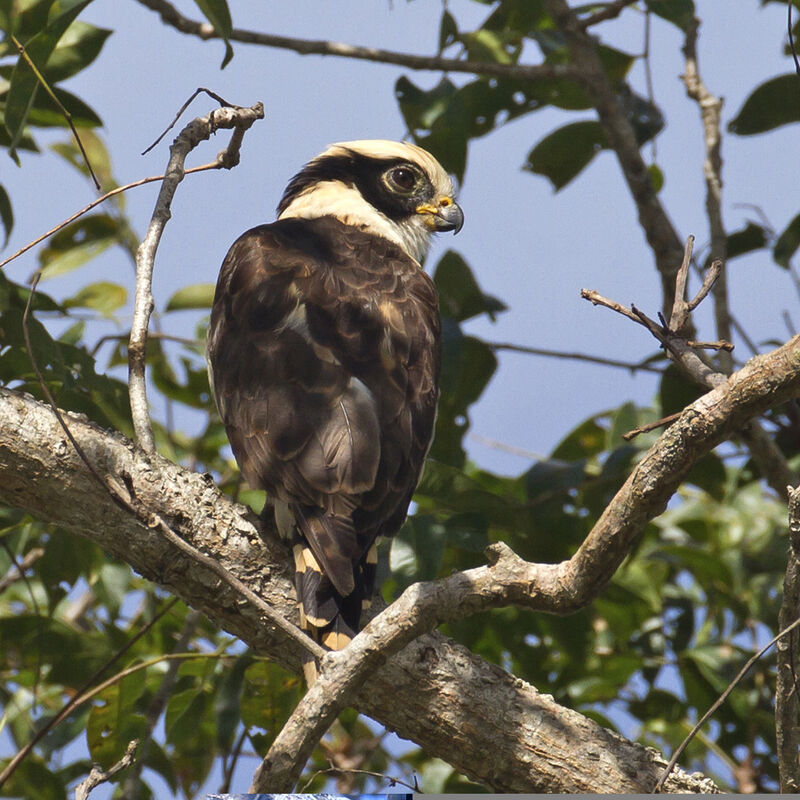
pixel 391 189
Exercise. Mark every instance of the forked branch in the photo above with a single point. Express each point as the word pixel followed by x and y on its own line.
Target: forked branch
pixel 198 130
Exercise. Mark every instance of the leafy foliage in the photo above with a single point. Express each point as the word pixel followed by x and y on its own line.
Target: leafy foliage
pixel 696 596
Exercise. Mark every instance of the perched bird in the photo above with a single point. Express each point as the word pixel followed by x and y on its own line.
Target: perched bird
pixel 324 351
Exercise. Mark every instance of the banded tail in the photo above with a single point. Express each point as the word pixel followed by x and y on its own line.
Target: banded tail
pixel 333 586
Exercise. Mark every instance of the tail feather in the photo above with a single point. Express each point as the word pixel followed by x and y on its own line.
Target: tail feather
pixel 334 576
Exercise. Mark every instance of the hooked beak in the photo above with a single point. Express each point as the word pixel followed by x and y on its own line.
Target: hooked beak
pixel 444 215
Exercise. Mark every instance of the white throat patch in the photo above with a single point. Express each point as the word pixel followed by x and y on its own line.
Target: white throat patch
pixel 337 199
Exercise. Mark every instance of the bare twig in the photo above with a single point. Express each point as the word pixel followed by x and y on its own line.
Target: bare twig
pixel 506 448
pixel 607 362
pixel 163 337
pixel 651 426
pixel 334 771
pixel 720 345
pixel 680 307
pixel 720 700
pixel 710 112
pixel 200 90
pixel 766 454
pixel 171 16
pixel 98 776
pixel 787 705
pixel 198 130
pixel 791 37
pixel 596 299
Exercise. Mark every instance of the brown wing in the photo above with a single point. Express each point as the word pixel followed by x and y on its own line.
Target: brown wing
pixel 324 355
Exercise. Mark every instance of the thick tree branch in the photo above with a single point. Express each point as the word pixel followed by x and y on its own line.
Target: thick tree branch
pixel 434 692
pixel 40 472
pixel 171 16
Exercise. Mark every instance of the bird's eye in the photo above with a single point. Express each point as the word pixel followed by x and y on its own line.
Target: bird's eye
pixel 402 178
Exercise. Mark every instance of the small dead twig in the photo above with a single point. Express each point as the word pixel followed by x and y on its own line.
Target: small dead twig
pixel 718 345
pixel 606 362
pixel 333 771
pixel 98 776
pixel 791 38
pixel 198 130
pixel 669 334
pixel 596 299
pixel 651 426
pixel 200 90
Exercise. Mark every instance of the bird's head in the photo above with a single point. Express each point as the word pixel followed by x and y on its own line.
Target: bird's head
pixel 393 189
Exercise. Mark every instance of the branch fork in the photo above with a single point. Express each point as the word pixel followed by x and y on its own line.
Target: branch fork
pixel 198 130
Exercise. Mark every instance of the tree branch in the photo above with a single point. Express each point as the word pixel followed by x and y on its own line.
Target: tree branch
pixel 787 707
pixel 765 452
pixel 434 692
pixel 171 16
pixel 198 130
pixel 710 111
pixel 661 235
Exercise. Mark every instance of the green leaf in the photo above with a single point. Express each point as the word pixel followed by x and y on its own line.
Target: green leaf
pixel 676 391
pixel 424 536
pixel 24 82
pixel 678 12
pixel 460 296
pixel 78 242
pixel 198 295
pixel 102 296
pixel 787 243
pixel 115 720
pixel 487 46
pixel 6 214
pixel 564 153
pixel 444 118
pixel 219 15
pixel 44 113
pixel 467 366
pixel 33 779
pixel 78 47
pixel 774 103
pixel 750 238
pixel 448 30
pixel 656 177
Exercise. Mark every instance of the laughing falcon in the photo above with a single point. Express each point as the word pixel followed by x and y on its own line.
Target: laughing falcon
pixel 324 351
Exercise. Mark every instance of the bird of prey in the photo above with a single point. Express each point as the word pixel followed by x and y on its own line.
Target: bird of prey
pixel 324 351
